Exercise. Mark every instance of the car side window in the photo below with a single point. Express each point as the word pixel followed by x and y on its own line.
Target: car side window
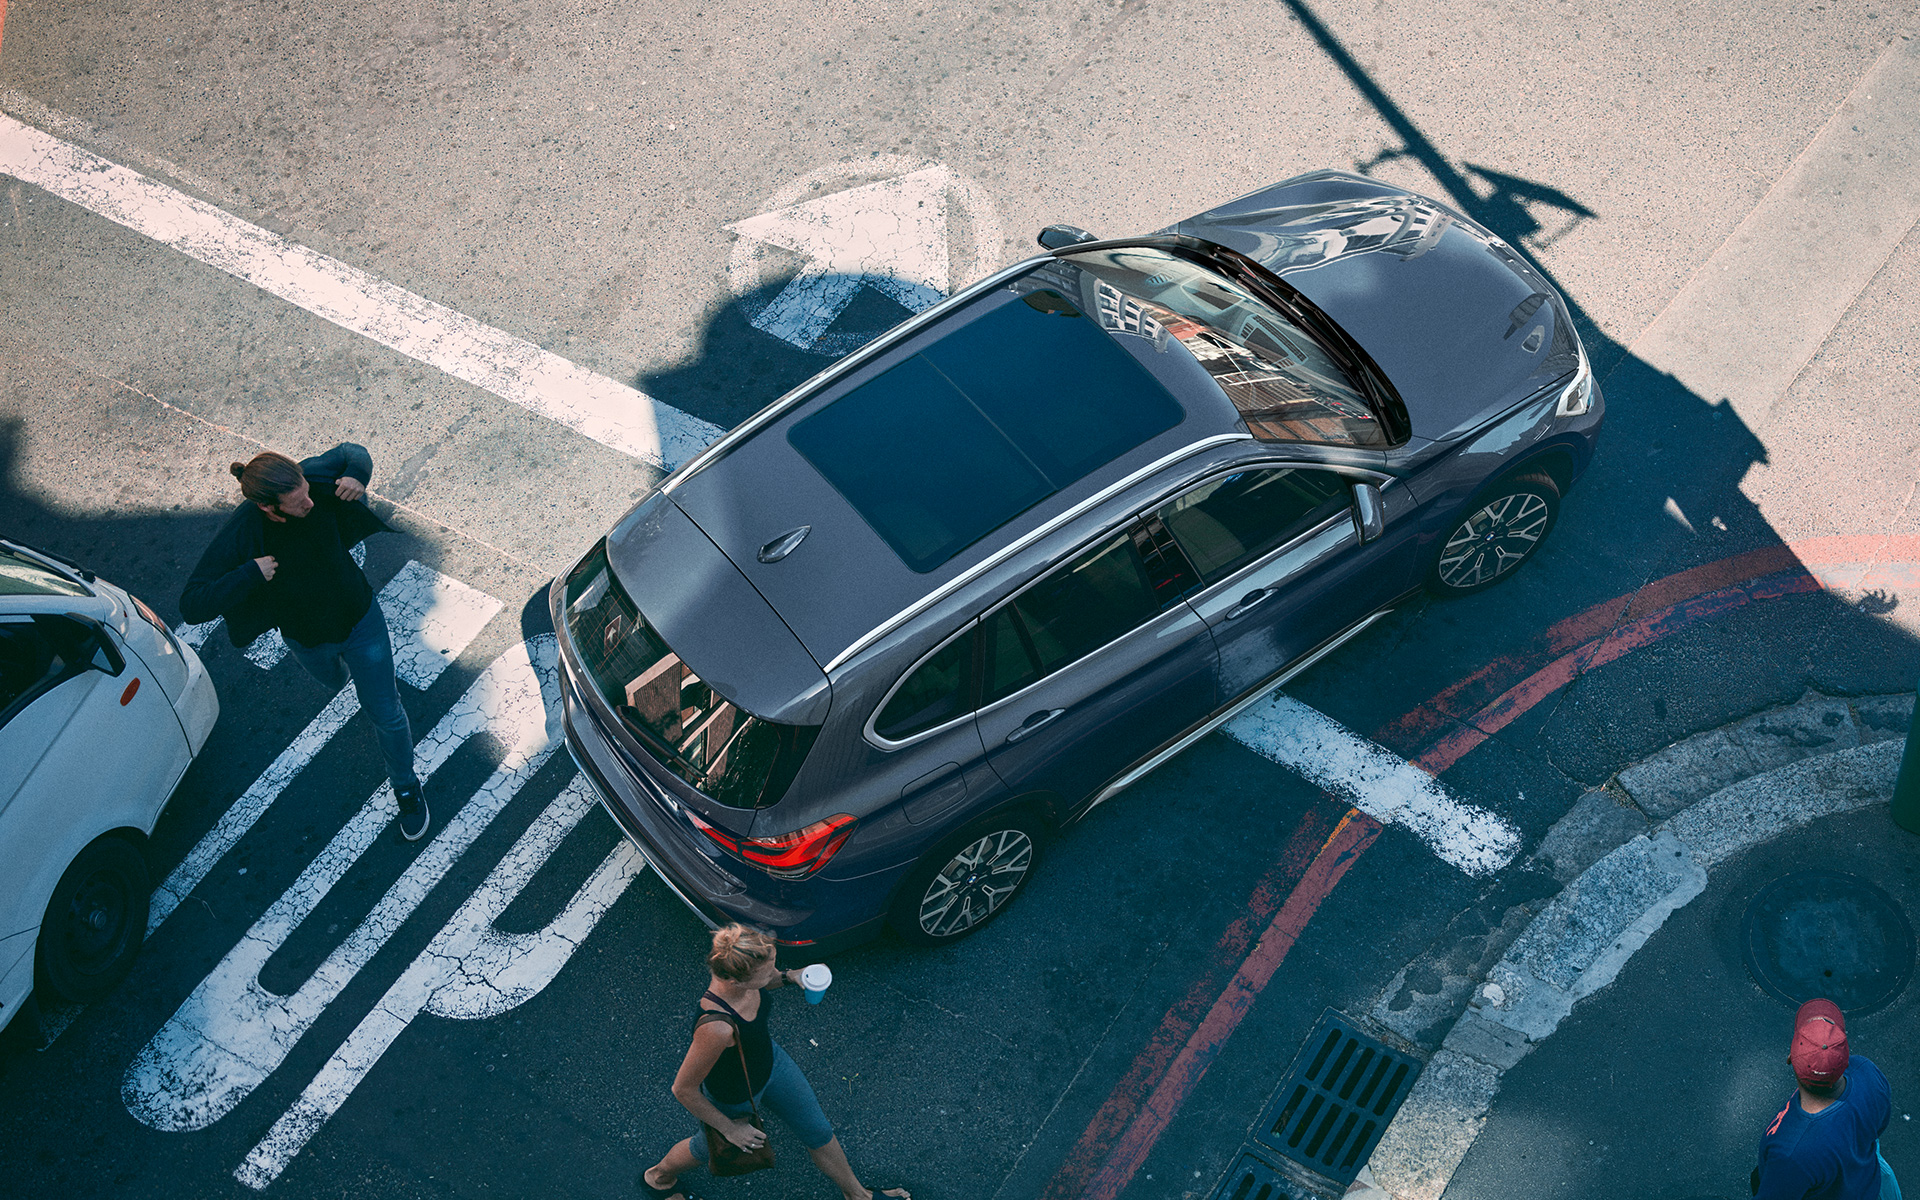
pixel 36 654
pixel 938 690
pixel 1228 522
pixel 1067 614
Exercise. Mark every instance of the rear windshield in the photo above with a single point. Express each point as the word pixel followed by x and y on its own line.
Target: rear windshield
pixel 22 576
pixel 724 752
pixel 982 425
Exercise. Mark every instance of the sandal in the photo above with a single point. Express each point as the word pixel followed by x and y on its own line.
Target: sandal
pixel 665 1193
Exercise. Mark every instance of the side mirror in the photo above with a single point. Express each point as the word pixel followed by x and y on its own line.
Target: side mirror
pixel 1369 512
pixel 1059 237
pixel 106 655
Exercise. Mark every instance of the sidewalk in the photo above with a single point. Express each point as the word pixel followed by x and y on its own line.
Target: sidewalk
pixel 1620 1045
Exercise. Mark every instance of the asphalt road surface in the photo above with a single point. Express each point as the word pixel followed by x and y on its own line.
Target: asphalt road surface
pixel 465 234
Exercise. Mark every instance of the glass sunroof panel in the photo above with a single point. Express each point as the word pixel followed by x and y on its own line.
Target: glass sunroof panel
pixel 953 443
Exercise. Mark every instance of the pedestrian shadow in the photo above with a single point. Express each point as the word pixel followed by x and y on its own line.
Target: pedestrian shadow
pixel 150 554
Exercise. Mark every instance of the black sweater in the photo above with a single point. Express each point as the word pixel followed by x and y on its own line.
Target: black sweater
pixel 227 583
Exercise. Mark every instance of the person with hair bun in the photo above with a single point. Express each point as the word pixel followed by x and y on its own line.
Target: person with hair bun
pixel 283 560
pixel 710 1083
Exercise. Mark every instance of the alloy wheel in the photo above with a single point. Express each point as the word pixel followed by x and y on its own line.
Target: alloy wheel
pixel 1494 540
pixel 975 882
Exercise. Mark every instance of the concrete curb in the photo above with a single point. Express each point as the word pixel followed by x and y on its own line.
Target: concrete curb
pixel 1578 942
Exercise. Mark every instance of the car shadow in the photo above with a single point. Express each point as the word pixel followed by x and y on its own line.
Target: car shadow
pixel 739 368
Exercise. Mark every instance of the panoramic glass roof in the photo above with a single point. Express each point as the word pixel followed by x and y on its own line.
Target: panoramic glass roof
pixel 961 438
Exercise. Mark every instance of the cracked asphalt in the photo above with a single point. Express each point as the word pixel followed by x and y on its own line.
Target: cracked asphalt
pixel 565 171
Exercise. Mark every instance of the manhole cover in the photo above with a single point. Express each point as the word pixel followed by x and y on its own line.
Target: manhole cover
pixel 1822 933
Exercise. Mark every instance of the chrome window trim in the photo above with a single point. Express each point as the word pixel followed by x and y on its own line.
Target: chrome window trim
pixel 873 735
pixel 1294 543
pixel 1173 610
pixel 1380 480
pixel 1021 543
pixel 837 370
pixel 1136 774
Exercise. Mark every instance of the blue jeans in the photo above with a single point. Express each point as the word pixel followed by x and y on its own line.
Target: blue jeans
pixel 367 655
pixel 788 1096
pixel 1889 1186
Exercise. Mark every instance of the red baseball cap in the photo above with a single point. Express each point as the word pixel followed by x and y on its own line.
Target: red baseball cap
pixel 1819 1055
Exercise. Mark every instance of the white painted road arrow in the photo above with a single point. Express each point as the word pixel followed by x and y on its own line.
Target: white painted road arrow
pixel 890 235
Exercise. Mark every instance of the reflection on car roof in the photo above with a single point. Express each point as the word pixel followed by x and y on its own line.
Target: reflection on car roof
pixel 954 442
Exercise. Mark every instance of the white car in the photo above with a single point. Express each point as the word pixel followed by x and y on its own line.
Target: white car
pixel 101 711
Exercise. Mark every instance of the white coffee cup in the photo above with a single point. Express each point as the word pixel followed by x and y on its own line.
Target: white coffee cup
pixel 814 981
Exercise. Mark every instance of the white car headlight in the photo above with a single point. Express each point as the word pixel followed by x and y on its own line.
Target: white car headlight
pixel 1578 396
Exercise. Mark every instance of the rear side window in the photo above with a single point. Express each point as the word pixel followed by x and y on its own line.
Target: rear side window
pixel 1098 597
pixel 728 754
pixel 939 690
pixel 1228 522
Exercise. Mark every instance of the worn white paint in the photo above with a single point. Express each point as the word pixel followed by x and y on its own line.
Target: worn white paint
pixel 513 369
pixel 431 619
pixel 196 635
pixel 470 971
pixel 232 1033
pixel 1377 782
pixel 893 233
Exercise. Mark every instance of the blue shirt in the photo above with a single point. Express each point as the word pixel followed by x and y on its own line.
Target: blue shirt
pixel 1831 1154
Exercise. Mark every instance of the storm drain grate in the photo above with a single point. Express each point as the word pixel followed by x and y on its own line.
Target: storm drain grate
pixel 1337 1100
pixel 1251 1179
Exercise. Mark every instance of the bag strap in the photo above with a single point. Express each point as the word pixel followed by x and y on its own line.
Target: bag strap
pixel 746 1077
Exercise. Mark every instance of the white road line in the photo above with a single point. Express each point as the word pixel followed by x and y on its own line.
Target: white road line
pixel 470 970
pixel 232 1033
pixel 1377 782
pixel 431 618
pixel 513 369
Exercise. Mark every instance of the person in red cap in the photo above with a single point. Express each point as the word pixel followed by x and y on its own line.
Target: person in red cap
pixel 1825 1144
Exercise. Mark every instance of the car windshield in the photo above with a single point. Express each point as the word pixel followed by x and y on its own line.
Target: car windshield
pixel 726 753
pixel 1281 380
pixel 23 576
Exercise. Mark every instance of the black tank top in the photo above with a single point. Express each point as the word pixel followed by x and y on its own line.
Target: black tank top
pixel 723 1081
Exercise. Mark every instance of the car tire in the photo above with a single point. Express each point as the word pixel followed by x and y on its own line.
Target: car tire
pixel 1502 529
pixel 95 922
pixel 968 879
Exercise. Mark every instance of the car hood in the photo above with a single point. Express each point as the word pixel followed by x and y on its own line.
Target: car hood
pixel 1459 322
pixel 709 615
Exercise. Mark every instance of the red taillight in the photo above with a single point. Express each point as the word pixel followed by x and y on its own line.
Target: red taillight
pixel 789 855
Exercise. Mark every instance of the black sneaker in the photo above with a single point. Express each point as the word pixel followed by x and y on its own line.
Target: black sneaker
pixel 414 818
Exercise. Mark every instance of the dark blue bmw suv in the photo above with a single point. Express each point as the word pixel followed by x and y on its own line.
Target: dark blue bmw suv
pixel 854 664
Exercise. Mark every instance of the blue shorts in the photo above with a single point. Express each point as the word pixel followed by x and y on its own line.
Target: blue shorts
pixel 788 1096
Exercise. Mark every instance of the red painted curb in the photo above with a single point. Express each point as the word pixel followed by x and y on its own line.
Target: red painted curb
pixel 1124 1131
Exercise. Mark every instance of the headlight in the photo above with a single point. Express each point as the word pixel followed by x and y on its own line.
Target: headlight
pixel 1578 397
pixel 153 618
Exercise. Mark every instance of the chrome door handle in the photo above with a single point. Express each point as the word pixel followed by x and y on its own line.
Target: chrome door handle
pixel 1251 601
pixel 1034 724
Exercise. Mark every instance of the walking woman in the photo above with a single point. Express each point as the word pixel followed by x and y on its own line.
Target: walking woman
pixel 712 1088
